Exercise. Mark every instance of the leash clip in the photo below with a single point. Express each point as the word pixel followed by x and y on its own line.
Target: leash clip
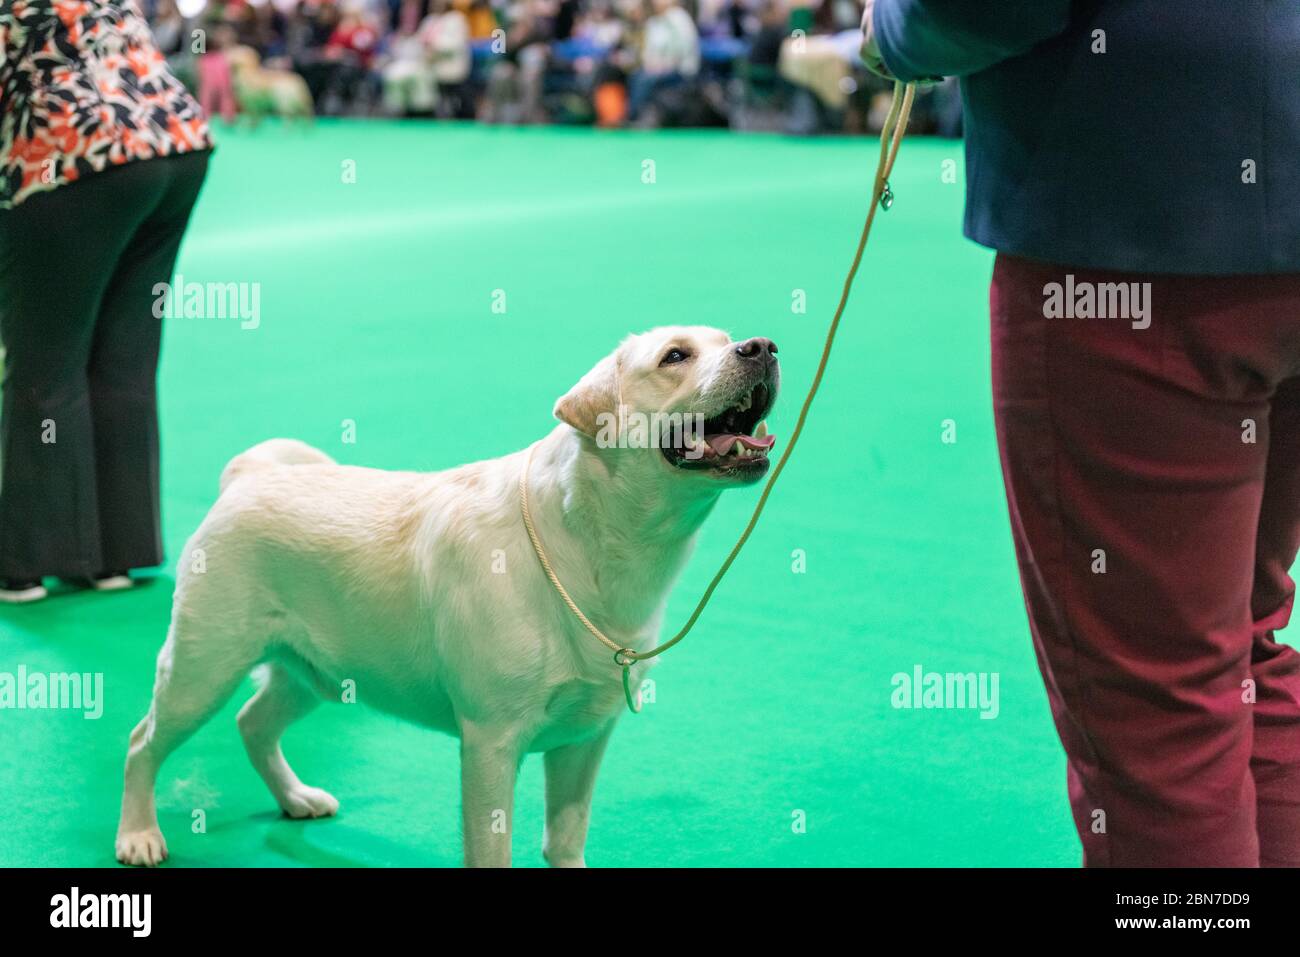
pixel 886 197
pixel 625 658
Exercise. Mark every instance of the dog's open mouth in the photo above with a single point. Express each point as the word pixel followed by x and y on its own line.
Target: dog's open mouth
pixel 735 440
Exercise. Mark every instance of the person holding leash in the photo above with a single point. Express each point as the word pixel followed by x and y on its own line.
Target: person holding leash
pixel 102 154
pixel 1135 166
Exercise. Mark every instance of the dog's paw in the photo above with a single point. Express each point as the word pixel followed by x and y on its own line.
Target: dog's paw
pixel 142 848
pixel 304 801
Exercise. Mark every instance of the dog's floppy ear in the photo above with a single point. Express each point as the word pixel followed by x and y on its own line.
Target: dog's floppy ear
pixel 594 400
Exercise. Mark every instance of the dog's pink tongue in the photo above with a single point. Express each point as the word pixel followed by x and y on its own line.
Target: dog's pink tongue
pixel 721 444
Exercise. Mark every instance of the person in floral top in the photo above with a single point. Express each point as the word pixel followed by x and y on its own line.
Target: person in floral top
pixel 102 156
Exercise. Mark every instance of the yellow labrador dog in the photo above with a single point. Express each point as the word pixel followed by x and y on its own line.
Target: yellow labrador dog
pixel 423 593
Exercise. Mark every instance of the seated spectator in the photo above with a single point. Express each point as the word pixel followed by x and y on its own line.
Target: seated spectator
pixel 410 85
pixel 774 27
pixel 168 28
pixel 515 85
pixel 739 19
pixel 269 30
pixel 564 15
pixel 349 54
pixel 670 55
pixel 445 33
pixel 308 32
pixel 715 18
pixel 604 82
pixel 820 68
pixel 599 27
pixel 482 20
pixel 354 39
pixel 314 24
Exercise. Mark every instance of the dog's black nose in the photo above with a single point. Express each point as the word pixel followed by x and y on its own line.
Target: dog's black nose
pixel 757 348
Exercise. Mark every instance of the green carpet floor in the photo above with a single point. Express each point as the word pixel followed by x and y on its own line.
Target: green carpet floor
pixel 376 307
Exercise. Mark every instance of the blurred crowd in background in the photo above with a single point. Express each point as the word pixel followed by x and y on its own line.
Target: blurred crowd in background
pixel 776 65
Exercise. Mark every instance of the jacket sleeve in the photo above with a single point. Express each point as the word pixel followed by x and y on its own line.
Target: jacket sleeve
pixel 928 38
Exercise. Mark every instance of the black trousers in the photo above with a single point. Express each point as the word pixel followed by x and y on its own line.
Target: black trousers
pixel 78 412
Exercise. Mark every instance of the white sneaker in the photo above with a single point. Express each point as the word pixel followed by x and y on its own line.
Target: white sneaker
pixel 20 593
pixel 112 583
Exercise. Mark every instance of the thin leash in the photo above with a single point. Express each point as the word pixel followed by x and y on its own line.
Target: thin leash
pixel 882 197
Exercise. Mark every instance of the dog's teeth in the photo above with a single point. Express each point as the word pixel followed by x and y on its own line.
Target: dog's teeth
pixel 761 431
pixel 737 448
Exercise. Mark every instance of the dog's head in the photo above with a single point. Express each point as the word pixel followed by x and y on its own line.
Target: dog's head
pixel 689 399
pixel 242 59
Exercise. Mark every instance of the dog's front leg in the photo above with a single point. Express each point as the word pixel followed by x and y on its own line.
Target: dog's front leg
pixel 570 780
pixel 489 762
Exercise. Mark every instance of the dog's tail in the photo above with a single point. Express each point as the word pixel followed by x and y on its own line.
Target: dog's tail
pixel 272 452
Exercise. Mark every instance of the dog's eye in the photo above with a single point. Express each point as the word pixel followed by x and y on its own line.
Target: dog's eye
pixel 673 356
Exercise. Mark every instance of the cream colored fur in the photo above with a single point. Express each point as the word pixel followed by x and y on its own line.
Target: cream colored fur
pixel 423 590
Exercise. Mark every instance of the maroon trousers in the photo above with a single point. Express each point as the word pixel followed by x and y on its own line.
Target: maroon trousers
pixel 1153 480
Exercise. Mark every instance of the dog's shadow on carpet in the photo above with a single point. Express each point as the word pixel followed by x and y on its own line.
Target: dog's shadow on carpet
pixel 292 841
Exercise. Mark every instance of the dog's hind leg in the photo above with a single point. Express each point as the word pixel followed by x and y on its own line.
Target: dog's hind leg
pixel 281 700
pixel 196 674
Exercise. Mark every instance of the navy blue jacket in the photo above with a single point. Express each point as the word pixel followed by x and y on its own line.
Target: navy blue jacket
pixel 1134 158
